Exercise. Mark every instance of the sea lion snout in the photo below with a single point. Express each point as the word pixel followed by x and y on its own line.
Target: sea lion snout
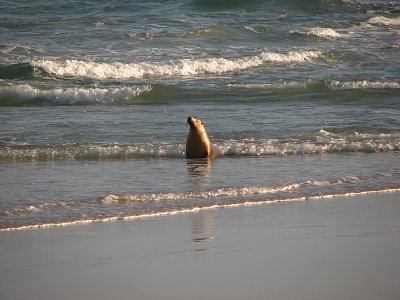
pixel 191 120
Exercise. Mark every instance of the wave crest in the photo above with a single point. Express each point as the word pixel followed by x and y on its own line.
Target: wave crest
pixel 319 32
pixel 33 209
pixel 315 84
pixel 316 143
pixel 361 84
pixel 238 192
pixel 73 95
pixel 92 151
pixel 219 193
pixel 384 21
pixel 182 67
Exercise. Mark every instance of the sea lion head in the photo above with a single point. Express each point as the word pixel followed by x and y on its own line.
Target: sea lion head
pixel 194 122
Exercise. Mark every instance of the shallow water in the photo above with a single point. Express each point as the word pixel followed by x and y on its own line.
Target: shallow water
pixel 299 100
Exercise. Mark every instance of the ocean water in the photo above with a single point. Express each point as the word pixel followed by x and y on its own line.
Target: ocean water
pixel 301 100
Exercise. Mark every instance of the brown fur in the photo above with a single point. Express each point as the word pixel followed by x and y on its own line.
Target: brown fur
pixel 198 144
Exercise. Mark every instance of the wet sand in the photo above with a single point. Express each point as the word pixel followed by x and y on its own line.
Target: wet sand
pixel 340 248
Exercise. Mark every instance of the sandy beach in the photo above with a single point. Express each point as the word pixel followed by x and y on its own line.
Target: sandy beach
pixel 339 248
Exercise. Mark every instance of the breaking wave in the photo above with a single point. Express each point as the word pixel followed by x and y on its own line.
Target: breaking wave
pixel 319 32
pixel 182 67
pixel 219 193
pixel 317 143
pixel 364 84
pixel 34 209
pixel 384 21
pixel 31 95
pixel 321 142
pixel 321 84
pixel 92 152
pixel 71 95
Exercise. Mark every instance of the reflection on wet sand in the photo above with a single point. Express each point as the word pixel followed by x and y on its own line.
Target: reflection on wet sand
pixel 199 169
pixel 202 231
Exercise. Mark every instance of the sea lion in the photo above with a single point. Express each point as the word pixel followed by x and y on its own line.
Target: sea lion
pixel 198 144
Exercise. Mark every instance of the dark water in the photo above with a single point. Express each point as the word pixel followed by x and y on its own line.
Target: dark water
pixel 300 99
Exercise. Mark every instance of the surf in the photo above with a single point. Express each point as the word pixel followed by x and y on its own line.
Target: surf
pixel 179 67
pixel 321 142
pixel 29 94
pixel 195 208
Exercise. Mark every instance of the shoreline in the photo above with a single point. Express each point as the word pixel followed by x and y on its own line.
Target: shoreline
pixel 343 248
pixel 197 209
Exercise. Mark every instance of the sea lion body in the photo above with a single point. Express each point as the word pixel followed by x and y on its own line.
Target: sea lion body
pixel 198 144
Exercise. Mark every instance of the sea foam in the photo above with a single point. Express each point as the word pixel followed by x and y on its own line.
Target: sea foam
pixel 384 21
pixel 218 193
pixel 324 32
pixel 319 32
pixel 34 208
pixel 236 192
pixel 331 84
pixel 363 84
pixel 181 67
pixel 72 95
pixel 126 217
pixel 316 143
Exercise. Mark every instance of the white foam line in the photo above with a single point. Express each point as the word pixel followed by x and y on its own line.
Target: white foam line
pixel 73 95
pixel 181 67
pixel 196 209
pixel 320 32
pixel 219 193
pixel 384 21
pixel 364 84
pixel 333 84
pixel 318 143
